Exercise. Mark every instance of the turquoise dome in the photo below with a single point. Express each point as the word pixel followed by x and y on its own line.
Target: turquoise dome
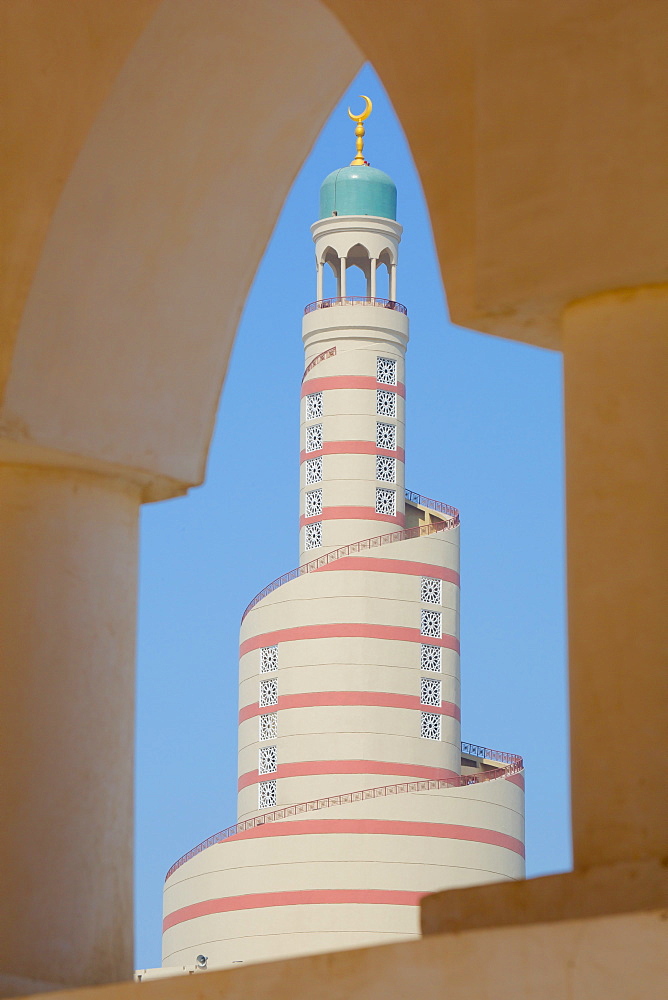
pixel 358 191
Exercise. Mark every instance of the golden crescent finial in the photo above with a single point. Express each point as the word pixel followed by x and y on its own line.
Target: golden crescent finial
pixel 359 160
pixel 368 108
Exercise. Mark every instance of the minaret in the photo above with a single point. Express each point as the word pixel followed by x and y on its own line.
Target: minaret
pixel 356 796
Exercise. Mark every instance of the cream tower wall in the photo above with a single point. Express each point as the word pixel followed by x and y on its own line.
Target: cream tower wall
pixel 352 802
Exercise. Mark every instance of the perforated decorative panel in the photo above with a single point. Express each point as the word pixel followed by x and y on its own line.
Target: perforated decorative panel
pixel 267 760
pixel 386 436
pixel 268 692
pixel 430 692
pixel 268 729
pixel 386 501
pixel 314 437
pixel 268 659
pixel 386 403
pixel 430 658
pixel 386 371
pixel 386 469
pixel 313 470
pixel 430 726
pixel 430 623
pixel 313 535
pixel 314 406
pixel 430 590
pixel 313 503
pixel 266 794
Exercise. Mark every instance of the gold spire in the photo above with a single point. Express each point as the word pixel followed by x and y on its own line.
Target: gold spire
pixel 359 160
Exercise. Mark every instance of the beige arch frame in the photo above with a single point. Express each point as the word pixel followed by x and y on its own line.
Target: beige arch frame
pixel 112 257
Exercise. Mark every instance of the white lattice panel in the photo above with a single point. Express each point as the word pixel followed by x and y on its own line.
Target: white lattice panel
pixel 430 692
pixel 386 469
pixel 430 590
pixel 430 623
pixel 266 794
pixel 314 406
pixel 268 726
pixel 430 657
pixel 313 503
pixel 313 471
pixel 268 659
pixel 314 437
pixel 267 760
pixel 386 501
pixel 386 403
pixel 268 693
pixel 386 371
pixel 313 535
pixel 430 726
pixel 386 436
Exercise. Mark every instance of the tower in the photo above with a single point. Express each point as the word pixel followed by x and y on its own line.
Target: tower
pixel 356 795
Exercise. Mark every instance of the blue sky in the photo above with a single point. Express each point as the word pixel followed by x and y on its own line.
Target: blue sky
pixel 484 433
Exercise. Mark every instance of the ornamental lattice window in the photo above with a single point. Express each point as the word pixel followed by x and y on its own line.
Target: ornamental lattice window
pixel 313 471
pixel 313 535
pixel 268 693
pixel 266 794
pixel 267 760
pixel 386 436
pixel 314 437
pixel 313 503
pixel 386 371
pixel 430 590
pixel 268 726
pixel 314 406
pixel 386 469
pixel 430 692
pixel 430 623
pixel 430 726
pixel 268 659
pixel 386 403
pixel 430 657
pixel 386 501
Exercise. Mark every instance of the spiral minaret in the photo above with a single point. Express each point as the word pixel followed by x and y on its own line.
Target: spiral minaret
pixel 356 795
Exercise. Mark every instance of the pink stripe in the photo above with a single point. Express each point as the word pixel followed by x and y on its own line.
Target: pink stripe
pixel 294 897
pixel 306 768
pixel 373 565
pixel 321 699
pixel 517 779
pixel 392 827
pixel 352 448
pixel 345 630
pixel 349 382
pixel 352 514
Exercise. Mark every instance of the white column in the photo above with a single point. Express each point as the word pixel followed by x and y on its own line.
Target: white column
pixel 615 355
pixel 68 552
pixel 373 264
pixel 393 282
pixel 342 277
pixel 318 287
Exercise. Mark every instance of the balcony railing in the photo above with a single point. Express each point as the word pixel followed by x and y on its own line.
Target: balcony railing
pixel 365 544
pixel 513 762
pixel 329 353
pixel 442 508
pixel 356 300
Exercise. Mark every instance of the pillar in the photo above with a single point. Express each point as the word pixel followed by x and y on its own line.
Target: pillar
pixel 615 363
pixel 68 550
pixel 393 282
pixel 373 264
pixel 342 277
